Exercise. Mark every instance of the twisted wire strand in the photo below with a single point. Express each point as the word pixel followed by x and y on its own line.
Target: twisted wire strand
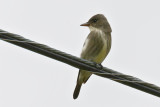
pixel 80 63
pixel 104 73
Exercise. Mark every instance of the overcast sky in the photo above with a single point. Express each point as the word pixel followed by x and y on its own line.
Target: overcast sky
pixel 28 79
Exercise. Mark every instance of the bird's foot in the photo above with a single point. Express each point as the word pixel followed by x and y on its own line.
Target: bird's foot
pixel 99 66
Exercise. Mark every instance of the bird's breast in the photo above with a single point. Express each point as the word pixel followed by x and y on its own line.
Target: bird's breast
pixel 106 47
pixel 101 55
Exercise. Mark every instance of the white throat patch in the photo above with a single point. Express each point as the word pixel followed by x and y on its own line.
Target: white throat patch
pixel 93 29
pixel 96 30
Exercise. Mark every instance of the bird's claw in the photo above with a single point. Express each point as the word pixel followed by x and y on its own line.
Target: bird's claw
pixel 99 66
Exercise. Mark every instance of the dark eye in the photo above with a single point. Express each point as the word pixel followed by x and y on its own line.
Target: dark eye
pixel 94 20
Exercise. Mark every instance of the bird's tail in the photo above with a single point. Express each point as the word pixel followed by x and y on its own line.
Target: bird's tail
pixel 77 90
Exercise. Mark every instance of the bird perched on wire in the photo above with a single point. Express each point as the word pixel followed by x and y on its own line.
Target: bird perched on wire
pixel 96 47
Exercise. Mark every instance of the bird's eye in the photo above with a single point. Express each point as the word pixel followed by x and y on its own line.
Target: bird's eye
pixel 95 20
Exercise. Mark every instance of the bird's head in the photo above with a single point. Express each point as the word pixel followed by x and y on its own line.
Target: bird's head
pixel 99 22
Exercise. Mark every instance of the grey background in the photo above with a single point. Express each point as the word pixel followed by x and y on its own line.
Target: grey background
pixel 28 79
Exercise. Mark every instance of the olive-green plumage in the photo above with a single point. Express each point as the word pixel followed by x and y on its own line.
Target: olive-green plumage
pixel 96 46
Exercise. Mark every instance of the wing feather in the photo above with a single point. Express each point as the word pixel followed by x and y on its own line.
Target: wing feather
pixel 92 46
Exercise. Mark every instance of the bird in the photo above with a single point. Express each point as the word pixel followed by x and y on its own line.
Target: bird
pixel 96 46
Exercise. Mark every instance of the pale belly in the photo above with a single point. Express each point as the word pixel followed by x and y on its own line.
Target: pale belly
pixel 102 54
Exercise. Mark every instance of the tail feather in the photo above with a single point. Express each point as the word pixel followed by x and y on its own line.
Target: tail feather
pixel 77 90
pixel 83 76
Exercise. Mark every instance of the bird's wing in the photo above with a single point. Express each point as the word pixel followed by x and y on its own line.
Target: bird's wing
pixel 92 46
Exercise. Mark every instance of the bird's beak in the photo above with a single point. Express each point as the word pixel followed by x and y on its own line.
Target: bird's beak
pixel 85 24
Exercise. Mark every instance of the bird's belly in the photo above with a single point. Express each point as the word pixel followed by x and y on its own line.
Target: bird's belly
pixel 101 55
